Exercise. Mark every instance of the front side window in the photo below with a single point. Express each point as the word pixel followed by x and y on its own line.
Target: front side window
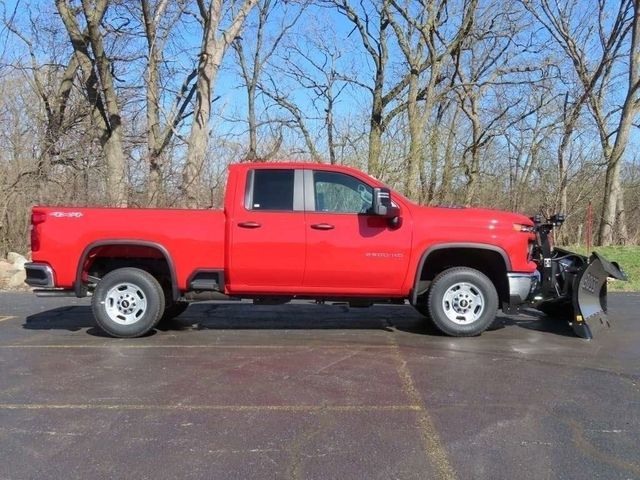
pixel 340 193
pixel 272 190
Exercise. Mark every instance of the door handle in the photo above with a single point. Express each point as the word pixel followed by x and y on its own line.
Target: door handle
pixel 249 225
pixel 322 226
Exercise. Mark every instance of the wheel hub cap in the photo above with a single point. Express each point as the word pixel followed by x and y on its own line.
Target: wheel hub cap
pixel 463 303
pixel 125 303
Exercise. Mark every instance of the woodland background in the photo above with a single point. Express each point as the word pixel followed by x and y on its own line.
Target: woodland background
pixel 525 105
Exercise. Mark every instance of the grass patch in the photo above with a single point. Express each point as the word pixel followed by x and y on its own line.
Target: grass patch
pixel 629 259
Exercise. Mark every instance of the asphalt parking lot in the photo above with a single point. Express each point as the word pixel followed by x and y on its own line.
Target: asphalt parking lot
pixel 304 391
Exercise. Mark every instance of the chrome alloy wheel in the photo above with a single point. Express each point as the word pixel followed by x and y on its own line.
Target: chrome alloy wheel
pixel 463 303
pixel 125 303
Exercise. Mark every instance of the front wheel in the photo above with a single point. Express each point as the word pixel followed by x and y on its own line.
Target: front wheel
pixel 462 302
pixel 127 302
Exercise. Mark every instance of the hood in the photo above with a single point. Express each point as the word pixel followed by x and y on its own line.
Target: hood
pixel 478 218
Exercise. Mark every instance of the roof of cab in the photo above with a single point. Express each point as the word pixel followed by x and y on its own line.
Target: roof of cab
pixel 300 165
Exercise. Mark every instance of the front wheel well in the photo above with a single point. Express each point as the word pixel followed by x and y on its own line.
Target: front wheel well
pixel 488 261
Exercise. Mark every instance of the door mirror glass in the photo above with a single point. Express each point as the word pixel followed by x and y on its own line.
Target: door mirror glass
pixel 382 204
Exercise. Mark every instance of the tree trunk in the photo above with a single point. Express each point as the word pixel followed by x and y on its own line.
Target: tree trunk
pixel 155 184
pixel 563 175
pixel 375 127
pixel 434 137
pixel 473 169
pixel 99 85
pixel 116 168
pixel 447 166
pixel 415 141
pixel 211 52
pixel 113 150
pixel 252 154
pixel 199 136
pixel 613 219
pixel 613 216
pixel 525 176
pixel 329 123
pixel 622 233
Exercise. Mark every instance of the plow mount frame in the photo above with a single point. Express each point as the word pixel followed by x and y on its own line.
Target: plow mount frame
pixel 572 286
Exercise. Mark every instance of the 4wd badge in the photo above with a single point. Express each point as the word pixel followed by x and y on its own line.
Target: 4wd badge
pixel 66 214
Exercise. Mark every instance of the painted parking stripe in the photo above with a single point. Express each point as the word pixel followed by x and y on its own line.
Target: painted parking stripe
pixel 433 447
pixel 251 347
pixel 6 317
pixel 230 408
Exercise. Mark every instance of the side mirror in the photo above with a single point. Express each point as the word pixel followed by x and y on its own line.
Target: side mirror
pixel 382 205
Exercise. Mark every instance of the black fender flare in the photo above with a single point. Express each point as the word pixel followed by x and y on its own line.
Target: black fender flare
pixel 79 289
pixel 413 296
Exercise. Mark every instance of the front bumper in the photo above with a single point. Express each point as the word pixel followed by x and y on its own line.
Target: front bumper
pixel 522 286
pixel 39 275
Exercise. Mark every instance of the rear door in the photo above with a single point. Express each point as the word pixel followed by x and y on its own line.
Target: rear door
pixel 350 250
pixel 268 234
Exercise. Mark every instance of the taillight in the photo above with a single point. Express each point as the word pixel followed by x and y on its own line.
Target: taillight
pixel 36 219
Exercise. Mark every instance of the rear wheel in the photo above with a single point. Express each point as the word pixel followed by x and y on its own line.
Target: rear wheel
pixel 127 302
pixel 462 302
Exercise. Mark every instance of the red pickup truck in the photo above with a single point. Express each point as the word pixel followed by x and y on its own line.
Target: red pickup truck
pixel 300 230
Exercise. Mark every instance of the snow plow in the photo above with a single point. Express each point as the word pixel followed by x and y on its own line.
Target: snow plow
pixel 572 286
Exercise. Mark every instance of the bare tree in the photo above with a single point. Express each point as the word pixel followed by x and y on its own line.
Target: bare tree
pixel 159 132
pixel 485 66
pixel 526 140
pixel 444 191
pixel 216 38
pixel 99 84
pixel 254 53
pixel 613 211
pixel 574 40
pixel 315 68
pixel 437 39
pixel 55 99
pixel 371 23
pixel 299 122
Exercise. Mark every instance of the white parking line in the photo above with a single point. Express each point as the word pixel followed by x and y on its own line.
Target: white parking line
pixel 231 408
pixel 434 448
pixel 228 346
pixel 6 317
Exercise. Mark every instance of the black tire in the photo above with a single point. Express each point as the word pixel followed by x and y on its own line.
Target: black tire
pixel 423 309
pixel 173 310
pixel 127 302
pixel 427 321
pixel 467 290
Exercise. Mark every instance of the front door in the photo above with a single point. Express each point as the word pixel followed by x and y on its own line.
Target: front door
pixel 349 250
pixel 268 233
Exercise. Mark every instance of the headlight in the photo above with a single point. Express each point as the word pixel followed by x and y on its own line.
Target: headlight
pixel 519 227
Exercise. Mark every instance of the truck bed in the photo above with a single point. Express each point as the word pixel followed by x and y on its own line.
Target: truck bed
pixel 194 239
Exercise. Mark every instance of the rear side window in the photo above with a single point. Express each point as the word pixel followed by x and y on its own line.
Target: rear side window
pixel 272 190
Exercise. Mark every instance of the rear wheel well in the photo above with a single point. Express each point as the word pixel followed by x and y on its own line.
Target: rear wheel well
pixel 489 262
pixel 99 260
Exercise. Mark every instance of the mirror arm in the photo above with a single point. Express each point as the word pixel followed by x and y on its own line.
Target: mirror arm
pixel 395 222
